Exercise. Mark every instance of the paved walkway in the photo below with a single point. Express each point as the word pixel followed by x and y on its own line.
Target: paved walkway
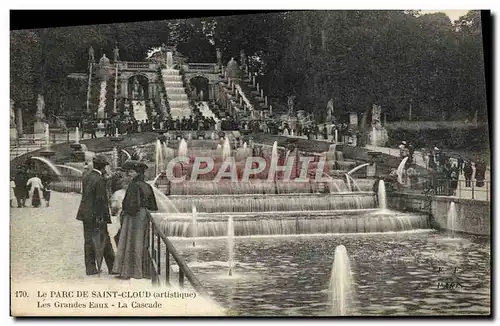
pixel 47 253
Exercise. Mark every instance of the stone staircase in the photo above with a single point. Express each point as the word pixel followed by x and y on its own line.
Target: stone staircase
pixel 176 94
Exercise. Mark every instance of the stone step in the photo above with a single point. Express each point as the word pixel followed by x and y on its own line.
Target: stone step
pixel 173 83
pixel 176 90
pixel 177 97
pixel 172 78
pixel 168 72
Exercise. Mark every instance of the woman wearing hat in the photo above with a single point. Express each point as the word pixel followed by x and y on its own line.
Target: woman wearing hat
pixel 132 259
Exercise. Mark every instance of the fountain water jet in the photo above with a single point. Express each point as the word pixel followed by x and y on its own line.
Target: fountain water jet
pixel 183 148
pixel 341 283
pixel 274 152
pixel 170 60
pixel 126 153
pixel 48 163
pixel 165 205
pixel 159 159
pixel 352 185
pixel 382 200
pixel 226 149
pixel 77 136
pixel 451 221
pixel 69 168
pixel 194 234
pixel 47 137
pixel 401 169
pixel 374 136
pixel 357 168
pixel 230 244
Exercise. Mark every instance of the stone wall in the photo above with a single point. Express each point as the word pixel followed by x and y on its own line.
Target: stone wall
pixel 473 216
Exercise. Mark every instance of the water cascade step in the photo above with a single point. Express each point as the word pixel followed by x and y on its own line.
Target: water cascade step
pixel 176 94
pixel 273 203
pixel 360 221
pixel 206 111
pixel 140 113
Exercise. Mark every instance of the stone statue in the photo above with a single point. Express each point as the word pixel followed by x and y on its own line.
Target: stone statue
pixel 137 92
pixel 12 115
pixel 233 71
pixel 329 111
pixel 291 105
pixel 243 58
pixel 40 106
pixel 91 54
pixel 219 57
pixel 116 53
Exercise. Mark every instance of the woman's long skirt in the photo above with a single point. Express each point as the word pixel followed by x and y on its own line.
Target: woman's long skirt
pixel 132 258
pixel 35 201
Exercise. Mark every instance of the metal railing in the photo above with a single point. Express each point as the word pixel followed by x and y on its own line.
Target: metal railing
pixel 466 189
pixel 156 237
pixel 67 183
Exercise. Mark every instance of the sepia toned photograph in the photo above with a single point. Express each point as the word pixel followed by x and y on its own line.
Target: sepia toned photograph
pixel 320 163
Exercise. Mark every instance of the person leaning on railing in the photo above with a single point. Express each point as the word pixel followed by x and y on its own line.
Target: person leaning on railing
pixel 132 258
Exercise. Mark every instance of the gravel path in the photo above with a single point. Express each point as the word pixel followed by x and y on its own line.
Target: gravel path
pixel 47 253
pixel 47 243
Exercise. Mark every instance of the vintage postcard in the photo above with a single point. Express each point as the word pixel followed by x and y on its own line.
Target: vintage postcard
pixel 293 163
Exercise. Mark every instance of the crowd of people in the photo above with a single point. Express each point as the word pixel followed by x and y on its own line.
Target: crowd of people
pixel 197 122
pixel 445 170
pixel 129 125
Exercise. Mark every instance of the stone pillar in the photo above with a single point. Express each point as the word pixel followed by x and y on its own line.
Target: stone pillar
pixel 155 95
pixel 19 121
pixel 150 90
pixel 124 88
pixel 211 91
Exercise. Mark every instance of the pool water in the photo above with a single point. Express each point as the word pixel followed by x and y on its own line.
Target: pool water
pixel 395 273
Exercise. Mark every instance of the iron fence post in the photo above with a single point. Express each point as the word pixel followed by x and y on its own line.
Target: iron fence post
pixel 167 266
pixel 154 276
pixel 181 278
pixel 158 257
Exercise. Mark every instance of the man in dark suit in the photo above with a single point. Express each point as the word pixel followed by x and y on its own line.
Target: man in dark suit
pixel 94 213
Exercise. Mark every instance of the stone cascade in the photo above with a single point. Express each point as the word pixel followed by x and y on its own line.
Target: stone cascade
pixel 206 111
pixel 102 99
pixel 177 98
pixel 139 107
pixel 244 96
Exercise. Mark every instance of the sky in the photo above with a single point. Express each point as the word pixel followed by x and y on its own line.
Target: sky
pixel 453 14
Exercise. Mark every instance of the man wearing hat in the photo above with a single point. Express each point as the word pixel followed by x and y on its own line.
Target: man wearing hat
pixel 94 213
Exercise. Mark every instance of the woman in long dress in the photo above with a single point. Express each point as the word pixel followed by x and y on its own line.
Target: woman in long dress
pixel 36 188
pixel 132 258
